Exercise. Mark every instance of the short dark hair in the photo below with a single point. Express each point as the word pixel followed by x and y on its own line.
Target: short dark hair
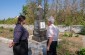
pixel 20 19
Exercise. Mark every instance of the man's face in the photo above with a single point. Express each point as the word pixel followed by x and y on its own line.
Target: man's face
pixel 49 23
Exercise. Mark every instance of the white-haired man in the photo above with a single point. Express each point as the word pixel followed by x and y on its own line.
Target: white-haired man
pixel 52 35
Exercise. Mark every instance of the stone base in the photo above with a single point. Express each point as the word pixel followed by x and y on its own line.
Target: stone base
pixel 39 35
pixel 39 39
pixel 37 48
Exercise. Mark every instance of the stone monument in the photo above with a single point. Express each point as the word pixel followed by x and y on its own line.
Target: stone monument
pixel 37 44
pixel 39 31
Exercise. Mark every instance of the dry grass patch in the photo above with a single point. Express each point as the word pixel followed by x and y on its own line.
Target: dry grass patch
pixel 69 45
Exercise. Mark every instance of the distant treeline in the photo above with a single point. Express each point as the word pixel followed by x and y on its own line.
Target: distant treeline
pixel 67 12
pixel 8 21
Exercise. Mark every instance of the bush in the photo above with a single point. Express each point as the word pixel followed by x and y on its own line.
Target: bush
pixel 65 34
pixel 1 27
pixel 68 34
pixel 76 35
pixel 10 29
pixel 82 31
pixel 81 52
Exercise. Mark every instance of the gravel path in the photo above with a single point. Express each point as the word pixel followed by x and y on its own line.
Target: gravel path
pixel 5 50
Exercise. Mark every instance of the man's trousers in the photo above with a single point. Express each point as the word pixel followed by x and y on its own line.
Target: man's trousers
pixel 53 48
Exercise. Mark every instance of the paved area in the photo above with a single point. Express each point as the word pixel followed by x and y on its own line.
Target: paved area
pixel 35 48
pixel 4 49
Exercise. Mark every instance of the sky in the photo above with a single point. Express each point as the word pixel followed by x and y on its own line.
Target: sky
pixel 10 8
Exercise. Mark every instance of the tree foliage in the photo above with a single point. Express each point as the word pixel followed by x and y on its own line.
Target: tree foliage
pixel 67 12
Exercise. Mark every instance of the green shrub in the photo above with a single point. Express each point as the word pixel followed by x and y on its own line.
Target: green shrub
pixel 1 32
pixel 81 52
pixel 82 31
pixel 1 27
pixel 68 34
pixel 76 35
pixel 10 29
pixel 65 34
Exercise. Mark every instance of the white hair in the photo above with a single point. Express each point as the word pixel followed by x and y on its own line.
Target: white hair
pixel 51 19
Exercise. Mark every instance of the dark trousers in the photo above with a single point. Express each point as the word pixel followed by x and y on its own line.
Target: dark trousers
pixel 21 48
pixel 53 48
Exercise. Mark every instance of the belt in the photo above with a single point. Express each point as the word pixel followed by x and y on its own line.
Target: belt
pixel 52 41
pixel 24 40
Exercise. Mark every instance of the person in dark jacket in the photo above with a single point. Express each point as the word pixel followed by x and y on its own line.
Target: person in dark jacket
pixel 20 41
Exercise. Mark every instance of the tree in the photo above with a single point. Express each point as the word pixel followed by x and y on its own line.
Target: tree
pixel 67 12
pixel 45 8
pixel 29 10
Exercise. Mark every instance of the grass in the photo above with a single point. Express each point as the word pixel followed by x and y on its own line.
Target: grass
pixel 8 32
pixel 69 45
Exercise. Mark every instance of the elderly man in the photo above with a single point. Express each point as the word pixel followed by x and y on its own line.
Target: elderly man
pixel 52 35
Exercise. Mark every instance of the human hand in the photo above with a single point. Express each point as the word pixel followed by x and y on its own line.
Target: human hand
pixel 11 44
pixel 48 48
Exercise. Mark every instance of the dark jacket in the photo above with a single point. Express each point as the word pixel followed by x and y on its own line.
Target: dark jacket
pixel 20 33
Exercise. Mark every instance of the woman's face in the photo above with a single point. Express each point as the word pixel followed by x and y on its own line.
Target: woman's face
pixel 23 22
